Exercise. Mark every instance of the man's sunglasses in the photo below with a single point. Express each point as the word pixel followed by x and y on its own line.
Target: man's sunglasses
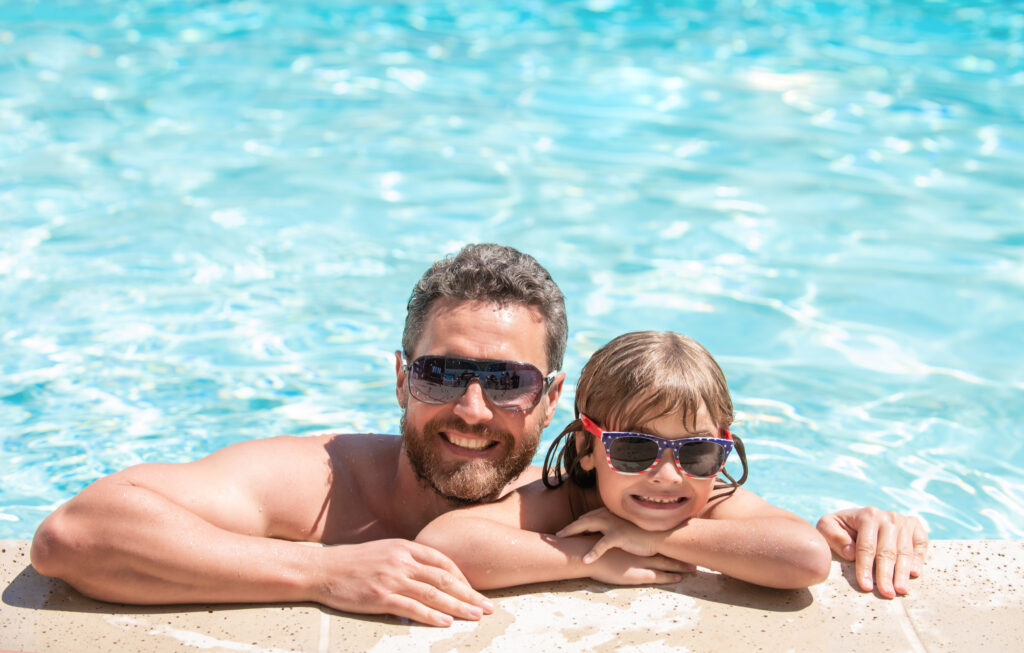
pixel 507 384
pixel 637 453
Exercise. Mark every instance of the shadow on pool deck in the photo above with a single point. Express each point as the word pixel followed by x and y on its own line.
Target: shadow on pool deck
pixel 968 598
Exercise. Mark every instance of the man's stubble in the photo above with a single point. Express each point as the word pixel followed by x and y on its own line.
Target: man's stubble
pixel 468 481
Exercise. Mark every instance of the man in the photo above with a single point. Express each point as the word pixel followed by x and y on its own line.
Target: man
pixel 230 527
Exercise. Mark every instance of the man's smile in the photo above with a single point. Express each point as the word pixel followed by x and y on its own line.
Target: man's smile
pixel 474 444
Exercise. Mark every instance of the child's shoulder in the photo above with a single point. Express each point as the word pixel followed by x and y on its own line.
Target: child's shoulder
pixel 742 504
pixel 542 509
pixel 737 505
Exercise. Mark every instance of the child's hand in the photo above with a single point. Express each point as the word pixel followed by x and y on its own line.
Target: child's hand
pixel 618 534
pixel 618 567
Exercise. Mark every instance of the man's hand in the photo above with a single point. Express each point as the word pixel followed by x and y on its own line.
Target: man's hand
pixel 618 534
pixel 893 544
pixel 398 577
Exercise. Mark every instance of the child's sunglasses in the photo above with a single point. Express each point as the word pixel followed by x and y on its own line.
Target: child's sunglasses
pixel 507 384
pixel 638 453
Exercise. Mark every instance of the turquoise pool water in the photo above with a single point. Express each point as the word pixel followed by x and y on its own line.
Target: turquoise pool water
pixel 212 215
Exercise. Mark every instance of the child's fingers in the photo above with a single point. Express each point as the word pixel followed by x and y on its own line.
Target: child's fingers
pixel 588 523
pixel 663 577
pixel 574 528
pixel 598 550
pixel 665 563
pixel 667 570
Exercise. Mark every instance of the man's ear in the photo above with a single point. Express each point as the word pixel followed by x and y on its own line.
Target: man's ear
pixel 400 391
pixel 550 398
pixel 587 461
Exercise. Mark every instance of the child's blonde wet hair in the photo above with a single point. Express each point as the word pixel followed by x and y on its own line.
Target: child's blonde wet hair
pixel 632 381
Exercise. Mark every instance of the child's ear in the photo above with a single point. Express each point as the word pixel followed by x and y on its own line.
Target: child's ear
pixel 586 461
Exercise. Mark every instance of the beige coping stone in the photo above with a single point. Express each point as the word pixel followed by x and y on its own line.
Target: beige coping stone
pixel 969 598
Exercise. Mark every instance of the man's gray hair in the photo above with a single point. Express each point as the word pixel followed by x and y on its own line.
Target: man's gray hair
pixel 493 274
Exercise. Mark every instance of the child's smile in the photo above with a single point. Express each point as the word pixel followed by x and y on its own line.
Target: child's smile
pixel 657 502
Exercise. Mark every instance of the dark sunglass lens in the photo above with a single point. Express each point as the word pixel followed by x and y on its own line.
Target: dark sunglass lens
pixel 431 381
pixel 513 386
pixel 701 458
pixel 443 379
pixel 632 454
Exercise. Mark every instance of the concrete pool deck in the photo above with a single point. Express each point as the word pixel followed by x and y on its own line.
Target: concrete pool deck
pixel 969 598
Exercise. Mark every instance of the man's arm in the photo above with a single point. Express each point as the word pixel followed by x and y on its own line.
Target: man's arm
pixel 216 530
pixel 893 545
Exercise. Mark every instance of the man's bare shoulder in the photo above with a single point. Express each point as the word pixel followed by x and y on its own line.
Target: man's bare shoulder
pixel 290 450
pixel 356 452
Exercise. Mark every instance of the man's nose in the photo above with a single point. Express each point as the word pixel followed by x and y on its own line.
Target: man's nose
pixel 472 406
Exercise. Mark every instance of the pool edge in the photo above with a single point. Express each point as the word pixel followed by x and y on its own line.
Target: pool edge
pixel 967 597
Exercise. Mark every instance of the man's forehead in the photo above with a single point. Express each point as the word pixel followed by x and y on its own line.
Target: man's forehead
pixel 481 310
pixel 503 330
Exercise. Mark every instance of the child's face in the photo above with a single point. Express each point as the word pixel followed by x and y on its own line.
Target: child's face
pixel 663 497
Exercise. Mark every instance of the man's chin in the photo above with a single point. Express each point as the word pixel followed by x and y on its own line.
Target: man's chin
pixel 467 483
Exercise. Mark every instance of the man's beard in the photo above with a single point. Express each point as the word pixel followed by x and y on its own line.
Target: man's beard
pixel 466 481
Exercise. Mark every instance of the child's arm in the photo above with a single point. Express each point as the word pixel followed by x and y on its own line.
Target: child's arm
pixel 509 543
pixel 742 536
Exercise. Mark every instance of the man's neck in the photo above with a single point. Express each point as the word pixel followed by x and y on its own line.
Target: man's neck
pixel 415 502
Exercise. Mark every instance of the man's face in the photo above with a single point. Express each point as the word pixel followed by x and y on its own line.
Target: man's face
pixel 469 450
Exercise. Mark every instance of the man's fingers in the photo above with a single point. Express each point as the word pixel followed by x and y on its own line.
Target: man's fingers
pixel 886 553
pixel 403 606
pixel 920 547
pixel 837 536
pixel 889 550
pixel 441 590
pixel 429 556
pixel 904 558
pixel 440 600
pixel 867 540
pixel 439 571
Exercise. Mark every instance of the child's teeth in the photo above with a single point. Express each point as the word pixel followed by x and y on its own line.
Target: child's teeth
pixel 661 500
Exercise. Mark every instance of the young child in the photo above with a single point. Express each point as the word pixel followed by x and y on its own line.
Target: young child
pixel 630 493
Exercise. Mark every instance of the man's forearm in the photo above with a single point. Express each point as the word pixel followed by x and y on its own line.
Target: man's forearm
pixel 770 551
pixel 130 544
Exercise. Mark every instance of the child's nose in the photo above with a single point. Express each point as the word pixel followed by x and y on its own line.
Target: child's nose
pixel 666 470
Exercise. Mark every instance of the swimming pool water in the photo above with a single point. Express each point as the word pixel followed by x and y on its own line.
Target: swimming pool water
pixel 212 215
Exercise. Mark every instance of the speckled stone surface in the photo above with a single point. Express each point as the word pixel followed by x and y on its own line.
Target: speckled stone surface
pixel 968 599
